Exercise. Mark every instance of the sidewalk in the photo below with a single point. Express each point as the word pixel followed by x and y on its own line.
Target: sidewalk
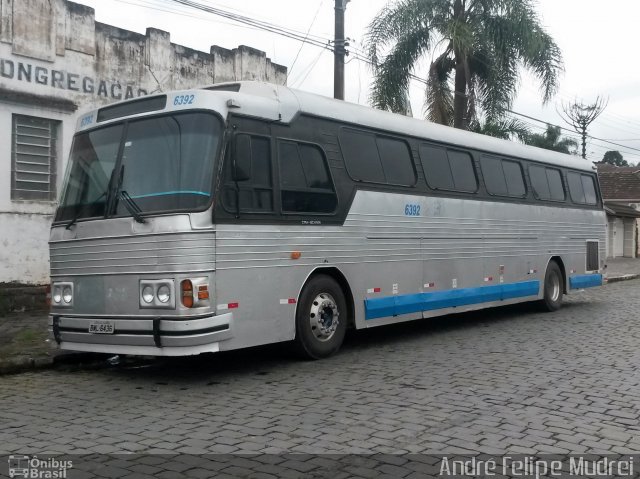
pixel 621 269
pixel 24 342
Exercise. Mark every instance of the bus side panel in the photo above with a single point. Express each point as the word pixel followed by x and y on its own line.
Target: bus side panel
pixel 476 254
pixel 473 254
pixel 260 282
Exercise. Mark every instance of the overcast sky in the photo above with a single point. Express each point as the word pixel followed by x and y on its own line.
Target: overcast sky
pixel 598 41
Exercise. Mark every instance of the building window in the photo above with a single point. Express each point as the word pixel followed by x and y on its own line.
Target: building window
pixel 33 158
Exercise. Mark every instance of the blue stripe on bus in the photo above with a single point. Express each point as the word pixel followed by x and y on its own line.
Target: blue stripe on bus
pixel 580 281
pixel 413 303
pixel 178 192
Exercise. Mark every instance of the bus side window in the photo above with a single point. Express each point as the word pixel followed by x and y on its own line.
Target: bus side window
pixel 502 177
pixel 396 161
pixel 576 188
pixel 448 169
pixel 582 188
pixel 255 194
pixel 546 183
pixel 361 156
pixel 556 187
pixel 305 183
pixel 589 190
pixel 373 158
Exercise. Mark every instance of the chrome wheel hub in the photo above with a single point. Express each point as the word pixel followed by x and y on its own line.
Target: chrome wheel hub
pixel 324 317
pixel 555 288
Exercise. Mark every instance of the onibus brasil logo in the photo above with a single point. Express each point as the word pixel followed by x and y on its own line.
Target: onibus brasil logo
pixel 33 468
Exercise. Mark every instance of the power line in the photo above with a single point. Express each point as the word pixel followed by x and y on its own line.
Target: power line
pixel 566 129
pixel 267 26
pixel 310 68
pixel 302 44
pixel 325 43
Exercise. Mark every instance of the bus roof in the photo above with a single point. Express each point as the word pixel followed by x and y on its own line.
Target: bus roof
pixel 281 103
pixel 297 101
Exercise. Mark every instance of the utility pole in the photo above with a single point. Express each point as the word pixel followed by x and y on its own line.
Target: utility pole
pixel 339 50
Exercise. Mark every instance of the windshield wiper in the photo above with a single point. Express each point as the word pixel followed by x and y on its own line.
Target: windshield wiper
pixel 131 206
pixel 83 208
pixel 128 202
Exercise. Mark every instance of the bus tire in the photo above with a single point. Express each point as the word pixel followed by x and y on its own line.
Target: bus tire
pixel 553 288
pixel 321 318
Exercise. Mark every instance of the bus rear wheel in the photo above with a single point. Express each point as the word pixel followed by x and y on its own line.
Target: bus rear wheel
pixel 321 318
pixel 553 288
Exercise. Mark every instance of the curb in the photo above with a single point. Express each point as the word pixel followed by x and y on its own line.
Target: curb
pixel 623 277
pixel 25 364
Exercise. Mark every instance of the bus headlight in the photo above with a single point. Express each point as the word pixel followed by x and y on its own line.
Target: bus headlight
pixel 62 294
pixel 164 294
pixel 147 294
pixel 57 294
pixel 67 294
pixel 157 293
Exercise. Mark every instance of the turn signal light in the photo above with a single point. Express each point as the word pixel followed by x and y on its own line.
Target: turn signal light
pixel 187 293
pixel 203 292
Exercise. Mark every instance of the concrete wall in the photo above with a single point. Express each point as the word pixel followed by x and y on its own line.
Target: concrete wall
pixel 55 62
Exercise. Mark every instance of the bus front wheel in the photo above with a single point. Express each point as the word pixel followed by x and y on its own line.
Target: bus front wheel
pixel 553 288
pixel 321 318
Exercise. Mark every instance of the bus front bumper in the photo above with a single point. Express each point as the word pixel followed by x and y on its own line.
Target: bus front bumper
pixel 141 336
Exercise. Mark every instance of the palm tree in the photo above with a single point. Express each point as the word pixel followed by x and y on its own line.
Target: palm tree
pixel 552 140
pixel 480 43
pixel 505 128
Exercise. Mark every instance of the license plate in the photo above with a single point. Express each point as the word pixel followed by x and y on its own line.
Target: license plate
pixel 102 327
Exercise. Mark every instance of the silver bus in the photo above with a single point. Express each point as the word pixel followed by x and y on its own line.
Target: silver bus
pixel 247 213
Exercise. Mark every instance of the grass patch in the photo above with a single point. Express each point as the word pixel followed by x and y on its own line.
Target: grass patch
pixel 30 336
pixel 26 343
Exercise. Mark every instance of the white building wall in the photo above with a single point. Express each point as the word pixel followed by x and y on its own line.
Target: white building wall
pixel 618 237
pixel 56 61
pixel 629 246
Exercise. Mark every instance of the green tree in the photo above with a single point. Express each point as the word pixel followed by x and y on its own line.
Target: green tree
pixel 614 158
pixel 479 47
pixel 551 139
pixel 507 129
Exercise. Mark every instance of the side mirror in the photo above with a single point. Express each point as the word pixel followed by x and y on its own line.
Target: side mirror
pixel 241 157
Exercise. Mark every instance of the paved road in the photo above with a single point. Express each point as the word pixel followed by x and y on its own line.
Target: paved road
pixel 511 380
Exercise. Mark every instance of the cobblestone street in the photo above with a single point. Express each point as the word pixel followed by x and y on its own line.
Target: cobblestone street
pixel 510 380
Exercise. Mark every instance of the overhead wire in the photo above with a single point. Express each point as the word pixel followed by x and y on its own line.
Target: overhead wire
pixel 302 44
pixel 325 44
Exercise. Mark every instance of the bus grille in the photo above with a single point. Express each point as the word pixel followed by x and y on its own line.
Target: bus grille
pixel 160 253
pixel 592 256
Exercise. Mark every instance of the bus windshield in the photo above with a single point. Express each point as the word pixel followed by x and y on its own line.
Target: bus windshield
pixel 164 164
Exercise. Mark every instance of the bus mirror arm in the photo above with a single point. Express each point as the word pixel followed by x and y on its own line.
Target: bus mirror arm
pixel 241 157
